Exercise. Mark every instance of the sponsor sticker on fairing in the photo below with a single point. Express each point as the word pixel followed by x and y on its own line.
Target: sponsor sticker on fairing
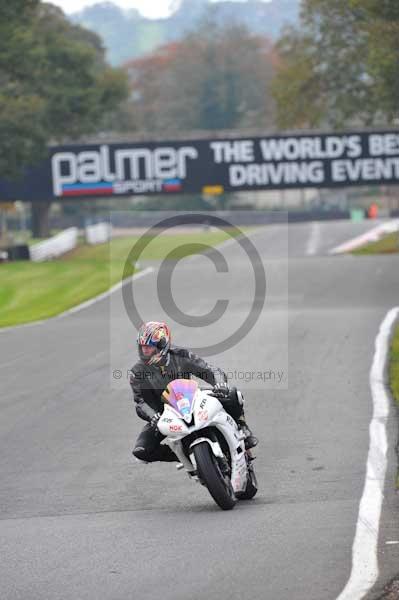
pixel 203 415
pixel 183 404
pixel 175 428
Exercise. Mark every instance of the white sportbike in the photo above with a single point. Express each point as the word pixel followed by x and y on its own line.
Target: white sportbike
pixel 207 442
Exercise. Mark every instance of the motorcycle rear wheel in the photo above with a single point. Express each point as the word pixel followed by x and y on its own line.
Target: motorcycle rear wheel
pixel 219 486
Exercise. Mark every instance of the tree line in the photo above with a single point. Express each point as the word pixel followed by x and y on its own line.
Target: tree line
pixel 340 66
pixel 215 78
pixel 55 84
pixel 337 68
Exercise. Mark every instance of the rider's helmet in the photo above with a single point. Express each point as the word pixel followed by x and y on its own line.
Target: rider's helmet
pixel 153 341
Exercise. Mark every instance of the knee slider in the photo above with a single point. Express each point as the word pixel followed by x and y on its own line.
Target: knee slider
pixel 140 453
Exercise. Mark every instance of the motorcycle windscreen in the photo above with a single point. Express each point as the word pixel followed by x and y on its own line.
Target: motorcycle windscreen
pixel 180 394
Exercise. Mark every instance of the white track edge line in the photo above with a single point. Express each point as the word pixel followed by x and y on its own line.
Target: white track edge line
pixel 113 289
pixel 365 238
pixel 83 305
pixel 364 573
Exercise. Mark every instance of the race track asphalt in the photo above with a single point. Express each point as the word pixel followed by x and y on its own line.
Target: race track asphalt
pixel 81 520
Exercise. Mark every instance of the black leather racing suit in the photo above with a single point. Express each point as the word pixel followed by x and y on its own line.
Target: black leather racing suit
pixel 148 383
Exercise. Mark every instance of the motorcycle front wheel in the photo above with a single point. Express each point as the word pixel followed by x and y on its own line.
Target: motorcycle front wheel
pixel 219 485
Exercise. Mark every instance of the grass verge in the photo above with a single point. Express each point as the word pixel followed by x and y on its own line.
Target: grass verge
pixel 389 244
pixel 34 291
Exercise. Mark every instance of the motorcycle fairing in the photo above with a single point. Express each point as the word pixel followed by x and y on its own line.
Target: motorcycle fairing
pixel 180 395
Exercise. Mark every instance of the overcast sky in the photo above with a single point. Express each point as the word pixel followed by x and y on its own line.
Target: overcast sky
pixel 148 8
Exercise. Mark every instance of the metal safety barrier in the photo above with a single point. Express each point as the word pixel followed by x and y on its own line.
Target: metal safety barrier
pixel 55 246
pixel 98 234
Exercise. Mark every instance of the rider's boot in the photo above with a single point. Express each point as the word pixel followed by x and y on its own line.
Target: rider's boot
pixel 250 440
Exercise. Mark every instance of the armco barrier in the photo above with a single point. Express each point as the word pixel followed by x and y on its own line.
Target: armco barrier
pixel 98 234
pixel 18 252
pixel 144 219
pixel 55 246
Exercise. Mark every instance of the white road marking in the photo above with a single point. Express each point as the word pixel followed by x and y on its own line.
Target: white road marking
pixel 364 572
pixel 392 542
pixel 372 235
pixel 83 305
pixel 116 287
pixel 113 289
pixel 314 239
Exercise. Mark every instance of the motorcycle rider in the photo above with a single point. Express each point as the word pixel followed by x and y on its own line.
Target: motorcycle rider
pixel 158 365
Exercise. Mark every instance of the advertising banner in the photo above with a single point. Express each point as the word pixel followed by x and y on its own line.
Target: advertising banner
pixel 212 166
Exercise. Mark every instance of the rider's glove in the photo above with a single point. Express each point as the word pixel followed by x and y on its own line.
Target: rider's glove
pixel 221 389
pixel 154 419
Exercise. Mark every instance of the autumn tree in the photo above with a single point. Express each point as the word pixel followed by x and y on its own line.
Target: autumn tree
pixel 21 106
pixel 215 78
pixel 380 24
pixel 55 83
pixel 76 81
pixel 340 66
pixel 55 86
